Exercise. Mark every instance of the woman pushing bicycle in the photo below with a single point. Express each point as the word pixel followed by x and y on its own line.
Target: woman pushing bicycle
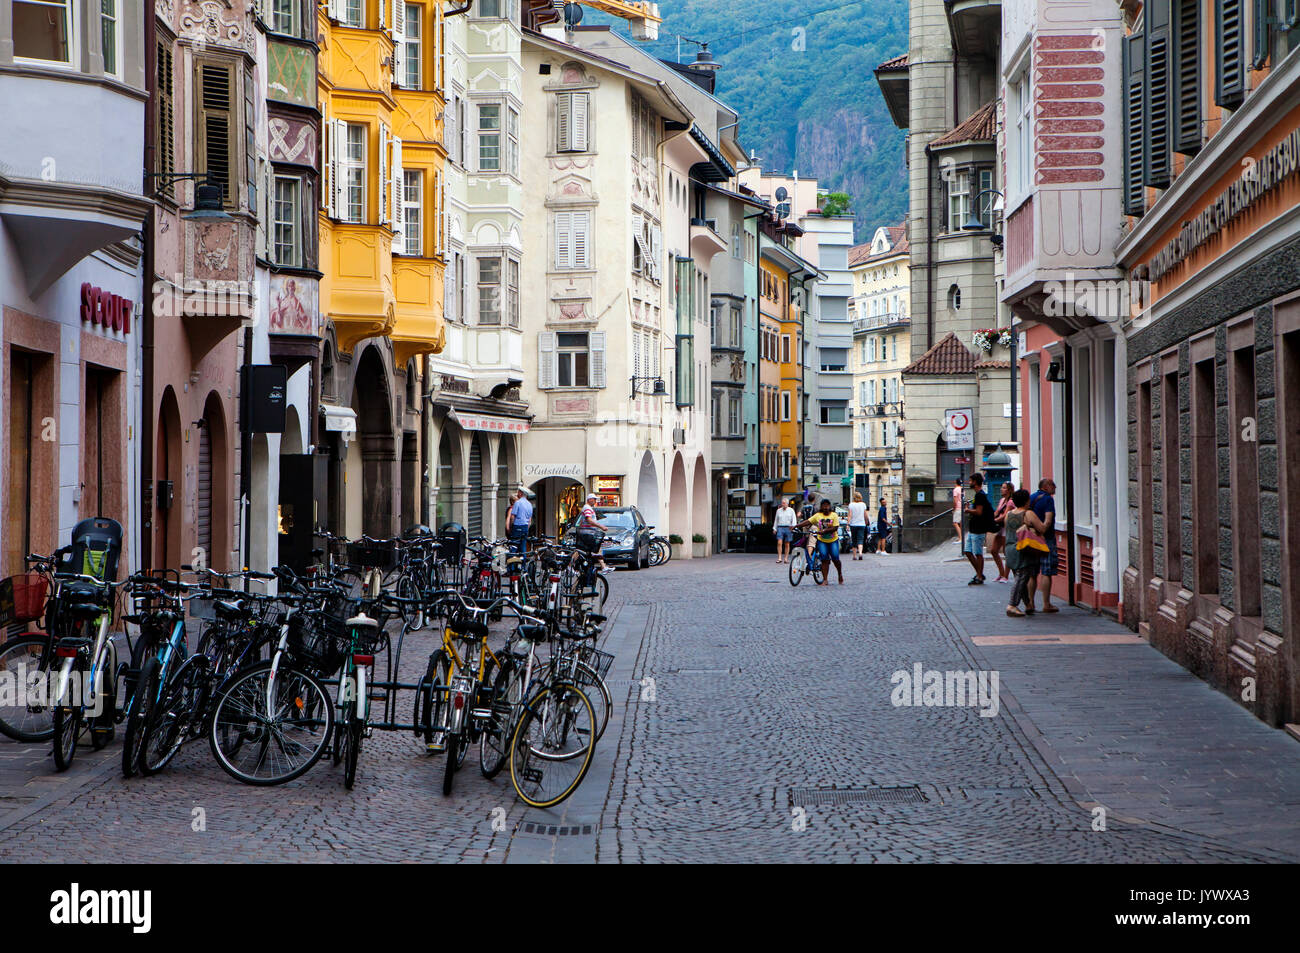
pixel 825 524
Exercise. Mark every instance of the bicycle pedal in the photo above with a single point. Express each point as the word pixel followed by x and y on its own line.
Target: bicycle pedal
pixel 435 747
pixel 533 774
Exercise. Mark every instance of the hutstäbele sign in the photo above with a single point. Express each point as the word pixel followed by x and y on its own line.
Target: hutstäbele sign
pixel 1258 179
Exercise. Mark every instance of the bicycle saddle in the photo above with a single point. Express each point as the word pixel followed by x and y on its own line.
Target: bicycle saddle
pixel 532 633
pixel 468 628
pixel 87 610
pixel 231 609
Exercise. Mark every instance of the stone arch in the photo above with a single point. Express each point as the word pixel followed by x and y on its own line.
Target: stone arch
pixel 372 399
pixel 679 514
pixel 221 517
pixel 169 465
pixel 647 493
pixel 291 440
pixel 700 500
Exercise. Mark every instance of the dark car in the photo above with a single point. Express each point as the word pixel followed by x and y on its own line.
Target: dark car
pixel 627 537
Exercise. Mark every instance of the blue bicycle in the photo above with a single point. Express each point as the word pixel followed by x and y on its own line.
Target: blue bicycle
pixel 803 564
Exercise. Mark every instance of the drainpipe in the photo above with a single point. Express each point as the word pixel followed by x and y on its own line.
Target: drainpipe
pixel 929 248
pixel 426 421
pixel 458 10
pixel 148 265
pixel 1067 363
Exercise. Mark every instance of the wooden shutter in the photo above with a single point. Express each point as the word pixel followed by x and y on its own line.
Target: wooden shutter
pixel 563 241
pixel 1155 102
pixel 546 359
pixel 338 161
pixel 386 193
pixel 581 240
pixel 578 123
pixel 216 91
pixel 1186 72
pixel 1134 199
pixel 563 122
pixel 165 154
pixel 596 341
pixel 399 213
pixel 1229 52
pixel 1261 13
pixel 399 42
pixel 638 239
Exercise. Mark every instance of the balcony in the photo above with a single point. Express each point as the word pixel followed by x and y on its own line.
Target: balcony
pixel 419 327
pixel 881 322
pixel 705 240
pixel 357 291
pixel 975 26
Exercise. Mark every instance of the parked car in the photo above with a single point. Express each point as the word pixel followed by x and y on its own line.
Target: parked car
pixel 627 541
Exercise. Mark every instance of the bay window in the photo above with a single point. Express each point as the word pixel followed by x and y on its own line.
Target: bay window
pixel 44 30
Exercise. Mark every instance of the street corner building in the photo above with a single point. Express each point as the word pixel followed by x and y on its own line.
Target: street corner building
pixel 1212 191
pixel 72 105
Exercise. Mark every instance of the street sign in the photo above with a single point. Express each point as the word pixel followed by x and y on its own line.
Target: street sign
pixel 962 460
pixel 959 428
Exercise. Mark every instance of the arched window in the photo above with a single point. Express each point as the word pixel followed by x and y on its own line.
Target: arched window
pixel 954 297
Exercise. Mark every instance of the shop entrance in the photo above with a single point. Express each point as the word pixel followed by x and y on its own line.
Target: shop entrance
pixel 557 502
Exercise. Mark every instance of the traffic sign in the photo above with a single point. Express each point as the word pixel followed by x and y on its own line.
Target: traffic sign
pixel 959 428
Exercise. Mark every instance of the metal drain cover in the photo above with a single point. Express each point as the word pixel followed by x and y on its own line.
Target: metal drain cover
pixel 1006 794
pixel 530 829
pixel 813 797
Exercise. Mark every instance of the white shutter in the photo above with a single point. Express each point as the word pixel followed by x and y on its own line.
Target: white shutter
pixel 399 214
pixel 335 10
pixel 656 252
pixel 597 340
pixel 563 240
pixel 339 150
pixel 399 41
pixel 326 161
pixel 546 359
pixel 449 130
pixel 581 240
pixel 384 180
pixel 267 231
pixel 579 122
pixel 383 11
pixel 563 122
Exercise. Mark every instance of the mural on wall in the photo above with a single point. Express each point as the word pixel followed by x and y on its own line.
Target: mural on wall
pixel 291 74
pixel 292 140
pixel 294 305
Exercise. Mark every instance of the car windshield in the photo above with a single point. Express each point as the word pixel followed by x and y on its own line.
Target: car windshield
pixel 618 519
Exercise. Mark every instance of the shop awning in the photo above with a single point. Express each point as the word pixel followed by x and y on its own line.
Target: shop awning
pixel 342 419
pixel 489 423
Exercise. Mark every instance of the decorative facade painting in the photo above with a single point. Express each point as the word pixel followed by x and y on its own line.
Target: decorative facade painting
pixel 291 74
pixel 294 305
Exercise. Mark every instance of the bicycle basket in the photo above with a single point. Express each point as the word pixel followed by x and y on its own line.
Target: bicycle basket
pixel 372 555
pixel 318 643
pixel 598 661
pixel 22 598
pixel 589 540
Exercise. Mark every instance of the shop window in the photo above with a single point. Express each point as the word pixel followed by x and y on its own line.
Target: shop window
pixel 1170 483
pixel 1244 455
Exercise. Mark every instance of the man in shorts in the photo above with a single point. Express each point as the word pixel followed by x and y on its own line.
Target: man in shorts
pixel 825 524
pixel 784 523
pixel 981 523
pixel 1044 508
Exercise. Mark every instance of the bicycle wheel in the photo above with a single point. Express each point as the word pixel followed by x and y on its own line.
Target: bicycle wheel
pixel 436 679
pixel 27 717
pixel 602 702
pixel 68 716
pixel 353 729
pixel 818 571
pixel 548 757
pixel 265 742
pixel 798 566
pixel 165 729
pixel 665 549
pixel 414 615
pixel 137 716
pixel 493 744
pixel 602 589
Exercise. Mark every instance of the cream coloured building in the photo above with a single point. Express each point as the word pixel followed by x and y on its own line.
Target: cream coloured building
pixel 880 310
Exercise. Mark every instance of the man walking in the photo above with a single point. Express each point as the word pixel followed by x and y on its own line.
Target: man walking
pixel 882 528
pixel 518 520
pixel 784 524
pixel 981 523
pixel 1044 508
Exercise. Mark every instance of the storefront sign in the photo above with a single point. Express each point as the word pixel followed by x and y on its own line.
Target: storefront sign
pixel 490 423
pixel 1258 179
pixel 609 489
pixel 109 311
pixel 532 472
pixel 454 385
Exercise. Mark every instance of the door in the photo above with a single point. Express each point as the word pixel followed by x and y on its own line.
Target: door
pixel 475 508
pixel 203 522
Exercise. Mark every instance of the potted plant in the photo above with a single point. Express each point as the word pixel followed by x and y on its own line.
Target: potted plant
pixel 700 545
pixel 679 549
pixel 985 338
pixel 1004 338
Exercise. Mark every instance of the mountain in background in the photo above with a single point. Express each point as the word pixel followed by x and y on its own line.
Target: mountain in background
pixel 800 74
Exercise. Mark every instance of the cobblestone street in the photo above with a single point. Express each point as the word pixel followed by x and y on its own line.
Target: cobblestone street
pixel 754 722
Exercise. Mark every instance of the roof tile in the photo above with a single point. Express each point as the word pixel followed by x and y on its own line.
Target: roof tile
pixel 949 356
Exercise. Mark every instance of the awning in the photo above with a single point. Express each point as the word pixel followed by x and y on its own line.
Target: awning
pixel 341 419
pixel 489 423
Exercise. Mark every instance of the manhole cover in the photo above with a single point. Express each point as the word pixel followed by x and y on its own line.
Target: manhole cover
pixel 704 671
pixel 530 829
pixel 1006 794
pixel 813 797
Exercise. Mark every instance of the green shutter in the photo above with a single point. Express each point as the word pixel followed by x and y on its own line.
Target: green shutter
pixel 1134 73
pixel 1261 17
pixel 1186 72
pixel 1155 102
pixel 1229 52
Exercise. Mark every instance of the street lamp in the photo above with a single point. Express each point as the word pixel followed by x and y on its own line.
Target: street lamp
pixel 658 388
pixel 208 205
pixel 974 224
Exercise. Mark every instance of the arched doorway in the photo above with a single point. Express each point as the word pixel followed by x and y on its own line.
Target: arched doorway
pixel 372 401
pixel 446 478
pixel 212 518
pixel 295 497
pixel 647 491
pixel 679 514
pixel 557 502
pixel 700 500
pixel 169 489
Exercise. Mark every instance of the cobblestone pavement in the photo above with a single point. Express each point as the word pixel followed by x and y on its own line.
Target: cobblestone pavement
pixel 754 722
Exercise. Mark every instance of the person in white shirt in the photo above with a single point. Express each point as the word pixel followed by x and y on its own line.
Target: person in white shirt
pixel 858 524
pixel 956 510
pixel 784 523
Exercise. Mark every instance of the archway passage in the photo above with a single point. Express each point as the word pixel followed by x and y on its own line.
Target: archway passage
pixel 474 511
pixel 647 492
pixel 556 503
pixel 446 477
pixel 372 401
pixel 679 514
pixel 700 500
pixel 296 498
pixel 214 519
pixel 169 489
